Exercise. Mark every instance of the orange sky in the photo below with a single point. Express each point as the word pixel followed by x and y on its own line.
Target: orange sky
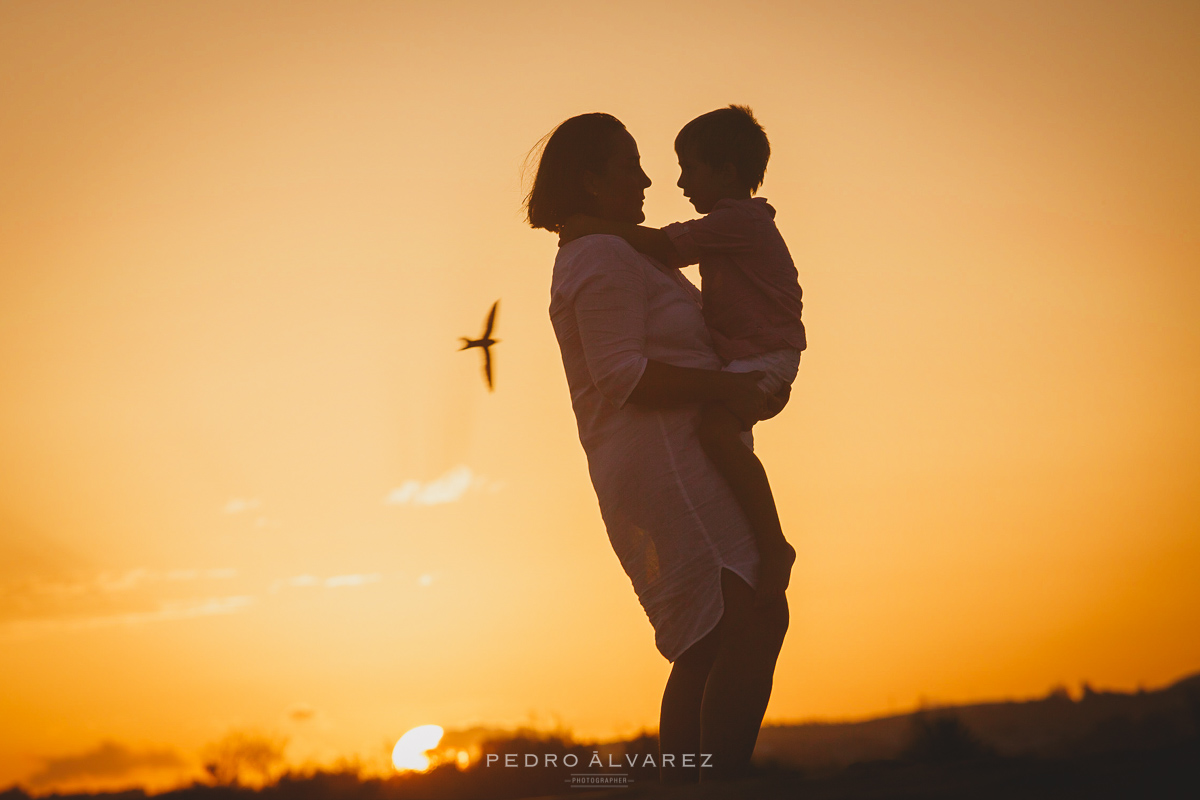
pixel 238 242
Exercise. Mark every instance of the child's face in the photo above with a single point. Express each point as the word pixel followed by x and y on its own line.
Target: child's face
pixel 702 184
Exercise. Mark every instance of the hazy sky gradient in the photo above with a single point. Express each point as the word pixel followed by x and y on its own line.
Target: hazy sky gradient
pixel 239 242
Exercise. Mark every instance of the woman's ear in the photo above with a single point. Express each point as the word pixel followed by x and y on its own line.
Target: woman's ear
pixel 589 183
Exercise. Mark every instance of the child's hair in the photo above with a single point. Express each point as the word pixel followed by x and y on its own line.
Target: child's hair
pixel 729 136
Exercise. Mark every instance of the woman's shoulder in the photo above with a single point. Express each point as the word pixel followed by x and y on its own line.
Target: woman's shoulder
pixel 592 255
pixel 597 247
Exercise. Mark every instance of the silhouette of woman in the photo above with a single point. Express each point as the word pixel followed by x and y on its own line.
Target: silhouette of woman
pixel 639 362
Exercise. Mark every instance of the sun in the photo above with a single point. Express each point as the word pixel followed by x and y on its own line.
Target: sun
pixel 409 752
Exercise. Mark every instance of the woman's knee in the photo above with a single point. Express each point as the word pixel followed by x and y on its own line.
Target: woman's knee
pixel 697 660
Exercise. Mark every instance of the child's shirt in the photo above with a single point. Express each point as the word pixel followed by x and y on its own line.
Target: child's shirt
pixel 750 287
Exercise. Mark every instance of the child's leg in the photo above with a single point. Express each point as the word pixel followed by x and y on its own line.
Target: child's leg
pixel 720 435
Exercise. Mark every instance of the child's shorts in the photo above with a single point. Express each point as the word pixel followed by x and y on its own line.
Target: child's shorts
pixel 780 367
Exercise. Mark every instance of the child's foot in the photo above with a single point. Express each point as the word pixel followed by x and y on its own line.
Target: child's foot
pixel 775 572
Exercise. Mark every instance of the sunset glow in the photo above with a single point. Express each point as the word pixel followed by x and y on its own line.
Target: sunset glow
pixel 251 491
pixel 410 751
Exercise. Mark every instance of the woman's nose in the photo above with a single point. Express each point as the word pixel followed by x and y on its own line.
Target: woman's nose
pixel 646 178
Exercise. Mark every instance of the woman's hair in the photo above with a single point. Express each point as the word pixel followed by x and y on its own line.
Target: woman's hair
pixel 581 144
pixel 729 136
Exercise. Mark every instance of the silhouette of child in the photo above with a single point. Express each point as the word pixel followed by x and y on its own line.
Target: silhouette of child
pixel 751 295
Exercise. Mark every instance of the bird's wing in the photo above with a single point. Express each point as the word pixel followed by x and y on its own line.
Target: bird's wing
pixel 487 367
pixel 487 332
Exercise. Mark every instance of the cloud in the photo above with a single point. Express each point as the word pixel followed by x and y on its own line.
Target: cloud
pixel 126 597
pixel 350 580
pixel 332 582
pixel 188 610
pixel 108 760
pixel 131 579
pixel 165 612
pixel 447 489
pixel 195 574
pixel 237 505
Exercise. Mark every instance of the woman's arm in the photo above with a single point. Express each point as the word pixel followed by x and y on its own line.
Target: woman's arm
pixel 651 241
pixel 610 311
pixel 667 385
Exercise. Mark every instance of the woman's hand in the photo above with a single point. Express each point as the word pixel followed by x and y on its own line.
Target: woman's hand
pixel 743 397
pixel 751 409
pixel 775 402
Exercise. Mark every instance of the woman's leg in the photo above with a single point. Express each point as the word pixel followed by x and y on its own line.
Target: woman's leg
pixel 718 690
pixel 739 682
pixel 679 722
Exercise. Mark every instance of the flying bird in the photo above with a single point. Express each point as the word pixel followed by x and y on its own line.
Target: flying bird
pixel 486 341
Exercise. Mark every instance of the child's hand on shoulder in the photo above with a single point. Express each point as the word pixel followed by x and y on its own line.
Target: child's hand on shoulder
pixel 577 225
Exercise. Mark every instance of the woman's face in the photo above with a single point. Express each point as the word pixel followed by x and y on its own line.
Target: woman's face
pixel 620 191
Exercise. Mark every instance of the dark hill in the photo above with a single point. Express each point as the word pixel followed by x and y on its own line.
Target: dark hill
pixel 1103 745
pixel 1051 727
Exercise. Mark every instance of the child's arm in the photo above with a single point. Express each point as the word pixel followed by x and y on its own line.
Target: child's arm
pixel 651 241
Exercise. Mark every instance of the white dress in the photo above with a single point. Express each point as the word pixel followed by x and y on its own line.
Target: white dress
pixel 671 518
